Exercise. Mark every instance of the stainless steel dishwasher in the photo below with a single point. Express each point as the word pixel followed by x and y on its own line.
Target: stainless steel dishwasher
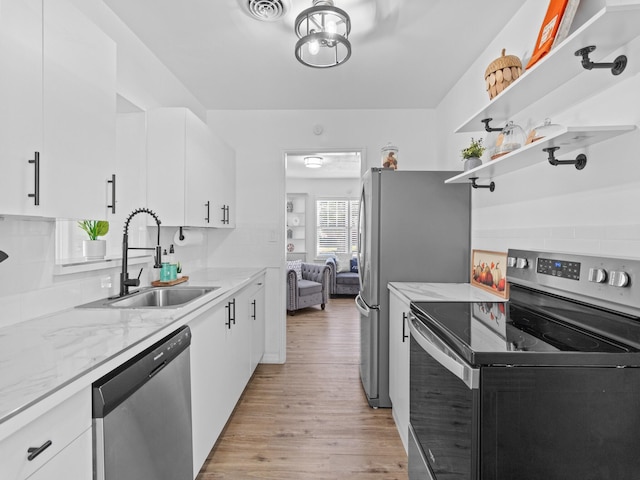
pixel 142 415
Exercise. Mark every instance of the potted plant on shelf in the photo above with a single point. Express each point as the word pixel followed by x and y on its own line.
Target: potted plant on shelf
pixel 471 155
pixel 94 249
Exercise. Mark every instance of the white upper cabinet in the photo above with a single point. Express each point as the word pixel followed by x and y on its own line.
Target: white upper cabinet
pixel 20 102
pixel 79 114
pixel 58 106
pixel 188 181
pixel 224 181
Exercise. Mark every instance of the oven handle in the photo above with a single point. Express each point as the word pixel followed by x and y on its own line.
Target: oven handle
pixel 435 347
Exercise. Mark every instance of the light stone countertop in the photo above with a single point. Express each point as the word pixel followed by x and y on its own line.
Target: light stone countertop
pixel 442 292
pixel 76 346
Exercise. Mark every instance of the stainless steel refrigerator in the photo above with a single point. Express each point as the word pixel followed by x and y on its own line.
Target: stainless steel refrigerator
pixel 412 228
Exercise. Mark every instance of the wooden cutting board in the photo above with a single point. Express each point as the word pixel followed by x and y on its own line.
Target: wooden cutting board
pixel 170 283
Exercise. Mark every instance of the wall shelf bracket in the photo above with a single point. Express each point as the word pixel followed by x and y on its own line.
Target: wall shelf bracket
pixel 491 186
pixel 580 162
pixel 617 66
pixel 487 127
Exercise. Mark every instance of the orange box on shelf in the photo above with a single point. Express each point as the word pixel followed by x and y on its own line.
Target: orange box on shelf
pixel 548 31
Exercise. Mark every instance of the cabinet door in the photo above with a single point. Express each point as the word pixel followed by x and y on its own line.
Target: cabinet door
pixel 224 184
pixel 399 363
pixel 166 136
pixel 74 461
pixel 200 174
pixel 209 408
pixel 21 100
pixel 79 95
pixel 238 338
pixel 257 319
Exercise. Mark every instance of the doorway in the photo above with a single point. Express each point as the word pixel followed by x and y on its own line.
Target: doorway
pixel 311 176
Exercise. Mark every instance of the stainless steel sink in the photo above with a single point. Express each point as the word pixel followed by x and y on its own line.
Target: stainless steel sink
pixel 155 297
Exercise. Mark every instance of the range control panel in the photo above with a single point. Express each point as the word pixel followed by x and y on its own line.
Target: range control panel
pixel 559 268
pixel 598 280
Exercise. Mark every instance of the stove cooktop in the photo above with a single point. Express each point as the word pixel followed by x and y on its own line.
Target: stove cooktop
pixel 533 329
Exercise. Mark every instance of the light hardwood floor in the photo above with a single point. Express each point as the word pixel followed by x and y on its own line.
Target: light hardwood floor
pixel 309 418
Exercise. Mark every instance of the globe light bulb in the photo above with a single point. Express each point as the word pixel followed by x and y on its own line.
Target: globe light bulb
pixel 314 47
pixel 331 27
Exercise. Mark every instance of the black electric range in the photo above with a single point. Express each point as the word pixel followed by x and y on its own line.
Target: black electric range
pixel 544 385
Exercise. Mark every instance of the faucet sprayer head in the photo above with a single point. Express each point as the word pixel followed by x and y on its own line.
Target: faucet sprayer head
pixel 158 257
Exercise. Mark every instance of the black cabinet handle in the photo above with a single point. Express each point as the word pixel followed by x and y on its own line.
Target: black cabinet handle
pixel 231 317
pixel 253 315
pixel 113 193
pixel 225 214
pixel 35 451
pixel 36 194
pixel 208 205
pixel 404 328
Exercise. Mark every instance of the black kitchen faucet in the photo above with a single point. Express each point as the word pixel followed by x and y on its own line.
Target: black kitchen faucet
pixel 125 281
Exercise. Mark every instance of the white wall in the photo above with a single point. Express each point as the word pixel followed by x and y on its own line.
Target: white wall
pixel 555 208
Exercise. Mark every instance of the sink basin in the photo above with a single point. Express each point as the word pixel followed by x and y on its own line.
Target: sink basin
pixel 156 297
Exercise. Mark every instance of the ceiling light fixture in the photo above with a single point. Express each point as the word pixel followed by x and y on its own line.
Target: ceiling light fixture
pixel 323 32
pixel 313 162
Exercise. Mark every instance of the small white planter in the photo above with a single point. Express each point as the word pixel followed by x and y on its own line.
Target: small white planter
pixel 471 163
pixel 94 249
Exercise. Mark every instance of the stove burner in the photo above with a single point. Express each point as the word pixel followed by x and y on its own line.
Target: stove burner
pixel 557 334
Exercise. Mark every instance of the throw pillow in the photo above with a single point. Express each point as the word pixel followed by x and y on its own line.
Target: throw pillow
pixel 295 265
pixel 354 265
pixel 343 261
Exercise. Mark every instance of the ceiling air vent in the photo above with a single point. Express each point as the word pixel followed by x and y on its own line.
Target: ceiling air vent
pixel 265 10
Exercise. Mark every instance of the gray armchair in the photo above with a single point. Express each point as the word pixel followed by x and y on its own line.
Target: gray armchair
pixel 342 283
pixel 312 289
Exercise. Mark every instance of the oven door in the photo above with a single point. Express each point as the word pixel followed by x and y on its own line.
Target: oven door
pixel 443 410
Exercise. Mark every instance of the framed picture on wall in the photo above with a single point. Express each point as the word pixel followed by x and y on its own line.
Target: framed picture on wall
pixel 488 272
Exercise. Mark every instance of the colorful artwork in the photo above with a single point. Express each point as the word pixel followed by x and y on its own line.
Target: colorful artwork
pixel 488 271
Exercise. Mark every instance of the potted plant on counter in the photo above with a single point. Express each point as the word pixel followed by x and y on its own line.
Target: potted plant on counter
pixel 471 155
pixel 94 248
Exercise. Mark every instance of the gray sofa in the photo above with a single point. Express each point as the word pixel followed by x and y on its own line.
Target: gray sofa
pixel 342 283
pixel 312 289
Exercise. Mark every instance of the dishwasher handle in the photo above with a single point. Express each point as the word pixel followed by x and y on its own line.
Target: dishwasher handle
pixel 442 354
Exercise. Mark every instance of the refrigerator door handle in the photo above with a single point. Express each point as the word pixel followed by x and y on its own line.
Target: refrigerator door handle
pixel 362 307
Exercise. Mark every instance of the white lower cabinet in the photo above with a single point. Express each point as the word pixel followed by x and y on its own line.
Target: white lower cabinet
pixel 257 320
pixel 399 363
pixel 223 350
pixel 56 445
pixel 73 462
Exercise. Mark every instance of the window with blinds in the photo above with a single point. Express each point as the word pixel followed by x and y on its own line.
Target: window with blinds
pixel 336 226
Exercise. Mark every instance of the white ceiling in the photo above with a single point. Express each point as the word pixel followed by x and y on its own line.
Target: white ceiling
pixel 406 53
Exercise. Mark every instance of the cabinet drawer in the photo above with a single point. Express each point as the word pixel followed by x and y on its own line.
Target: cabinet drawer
pixel 60 426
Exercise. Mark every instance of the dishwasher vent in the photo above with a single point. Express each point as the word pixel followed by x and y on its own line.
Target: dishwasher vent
pixel 265 10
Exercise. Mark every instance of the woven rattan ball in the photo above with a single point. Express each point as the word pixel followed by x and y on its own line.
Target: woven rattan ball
pixel 500 73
